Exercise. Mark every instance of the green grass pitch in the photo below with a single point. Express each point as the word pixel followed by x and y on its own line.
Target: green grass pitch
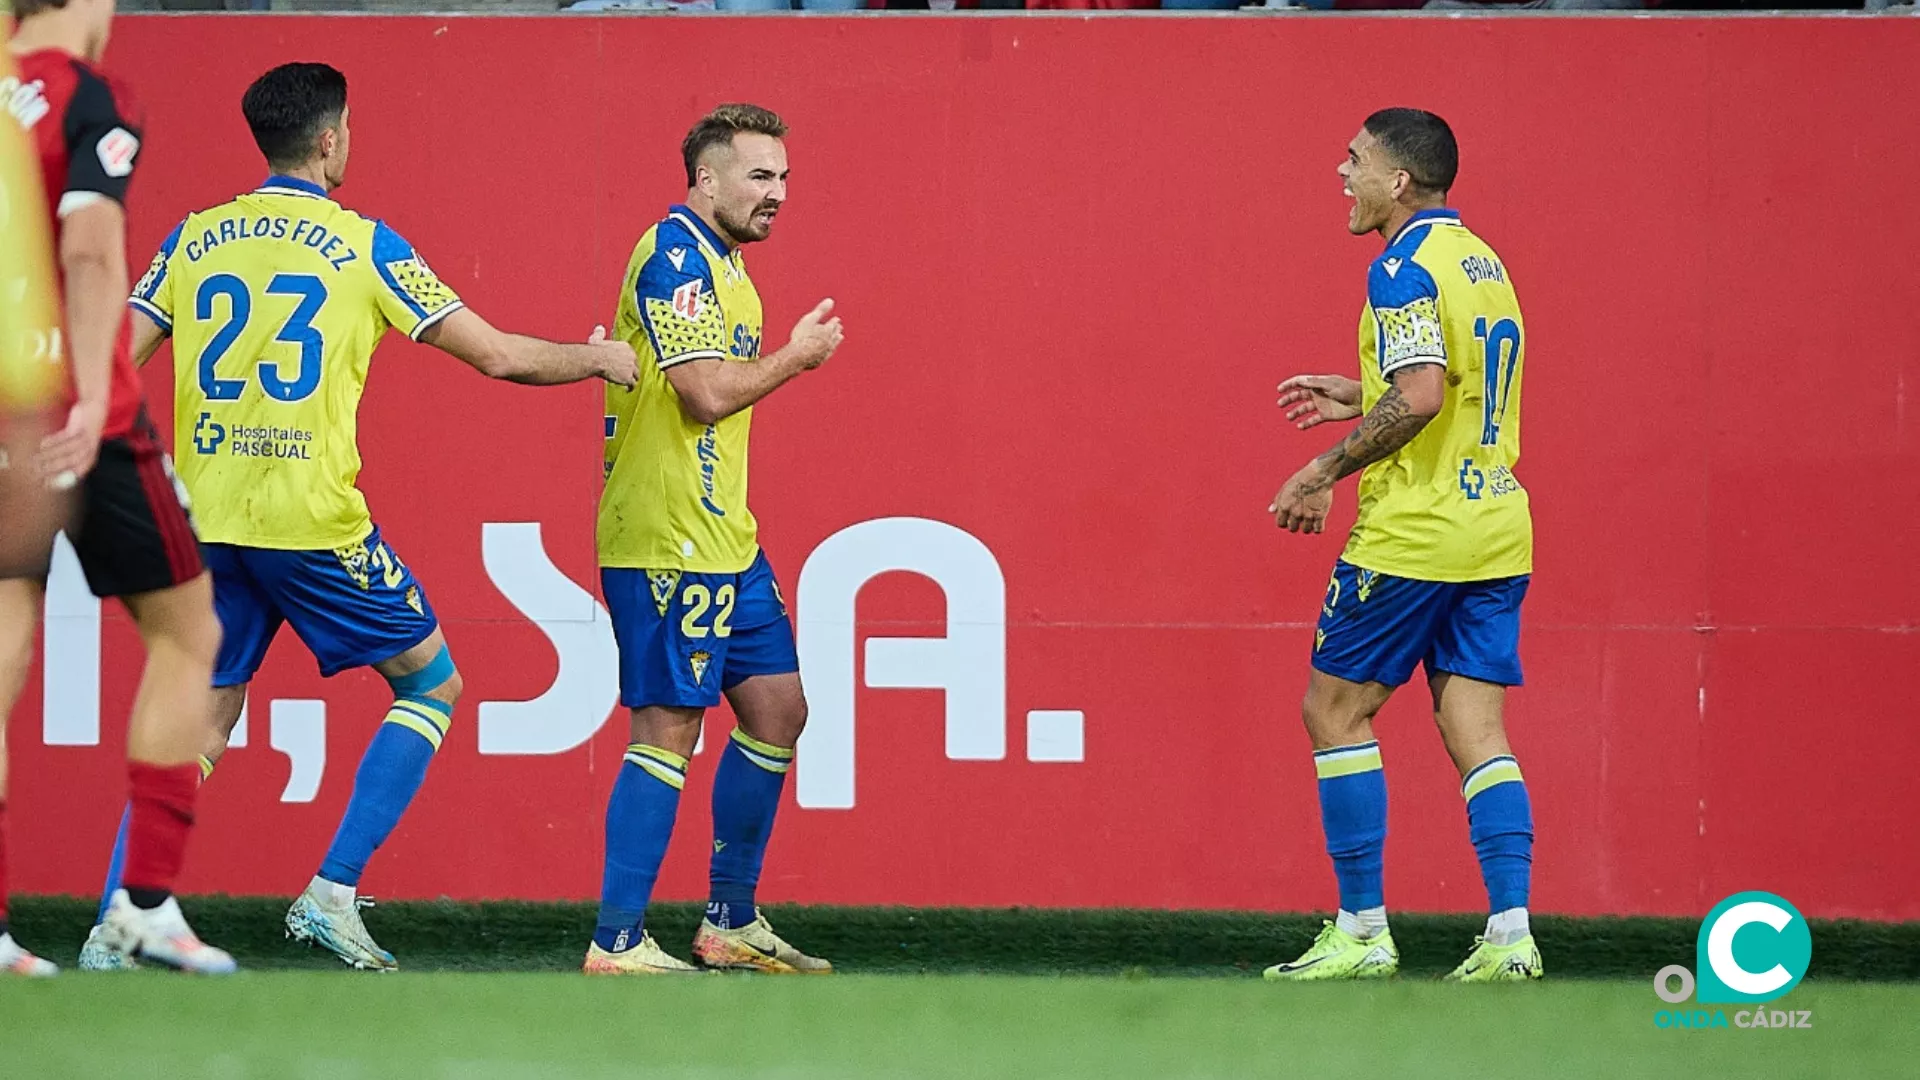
pixel 336 1025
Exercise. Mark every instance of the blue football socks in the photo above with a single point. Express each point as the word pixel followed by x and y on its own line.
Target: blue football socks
pixel 640 816
pixel 746 795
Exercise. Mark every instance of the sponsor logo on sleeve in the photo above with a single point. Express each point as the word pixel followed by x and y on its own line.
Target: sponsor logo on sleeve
pixel 116 150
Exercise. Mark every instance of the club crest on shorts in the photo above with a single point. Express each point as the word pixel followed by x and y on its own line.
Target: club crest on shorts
pixel 413 600
pixel 664 584
pixel 1367 579
pixel 699 662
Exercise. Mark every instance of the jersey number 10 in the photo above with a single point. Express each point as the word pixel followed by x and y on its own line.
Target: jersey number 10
pixel 1502 344
pixel 298 329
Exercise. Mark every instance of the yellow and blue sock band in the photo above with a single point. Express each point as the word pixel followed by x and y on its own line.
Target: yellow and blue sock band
pixel 429 717
pixel 1347 760
pixel 774 759
pixel 206 767
pixel 665 765
pixel 1495 770
pixel 1500 821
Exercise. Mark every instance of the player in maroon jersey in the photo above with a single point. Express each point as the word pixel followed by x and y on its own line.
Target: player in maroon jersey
pixel 130 526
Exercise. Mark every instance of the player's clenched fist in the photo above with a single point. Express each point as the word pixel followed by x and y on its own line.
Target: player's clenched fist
pixel 1304 501
pixel 817 334
pixel 617 364
pixel 1316 399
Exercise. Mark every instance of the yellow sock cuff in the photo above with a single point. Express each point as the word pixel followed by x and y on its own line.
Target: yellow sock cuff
pixel 665 765
pixel 1347 760
pixel 774 759
pixel 1496 770
pixel 206 768
pixel 430 723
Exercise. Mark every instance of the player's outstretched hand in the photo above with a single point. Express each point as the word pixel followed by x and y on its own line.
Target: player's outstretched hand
pixel 817 334
pixel 68 454
pixel 1304 501
pixel 1315 399
pixel 618 365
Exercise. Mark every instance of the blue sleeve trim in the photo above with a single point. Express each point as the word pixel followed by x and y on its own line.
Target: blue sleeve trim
pixel 159 317
pixel 388 247
pixel 435 319
pixel 165 259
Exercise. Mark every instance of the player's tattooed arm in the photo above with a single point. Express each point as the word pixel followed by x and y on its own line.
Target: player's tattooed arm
pixel 1408 405
pixel 1391 425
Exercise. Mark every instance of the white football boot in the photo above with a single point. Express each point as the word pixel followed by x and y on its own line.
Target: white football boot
pixel 160 936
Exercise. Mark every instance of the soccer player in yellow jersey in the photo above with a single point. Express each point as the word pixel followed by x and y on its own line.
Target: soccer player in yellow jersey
pixel 695 607
pixel 30 374
pixel 1438 562
pixel 275 301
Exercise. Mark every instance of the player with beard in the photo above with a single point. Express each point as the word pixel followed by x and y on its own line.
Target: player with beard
pixel 695 607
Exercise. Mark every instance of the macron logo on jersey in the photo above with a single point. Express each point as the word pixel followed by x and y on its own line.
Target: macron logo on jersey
pixel 678 257
pixel 116 150
pixel 687 300
pixel 1391 266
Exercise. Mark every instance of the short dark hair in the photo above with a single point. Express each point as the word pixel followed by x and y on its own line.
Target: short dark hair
pixel 718 128
pixel 290 106
pixel 25 8
pixel 1419 142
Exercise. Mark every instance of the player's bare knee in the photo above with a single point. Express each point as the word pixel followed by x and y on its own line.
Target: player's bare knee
pixel 1334 719
pixel 779 722
pixel 450 690
pixel 438 679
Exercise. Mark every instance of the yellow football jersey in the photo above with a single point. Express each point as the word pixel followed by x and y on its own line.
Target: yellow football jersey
pixel 275 302
pixel 31 371
pixel 676 491
pixel 1447 506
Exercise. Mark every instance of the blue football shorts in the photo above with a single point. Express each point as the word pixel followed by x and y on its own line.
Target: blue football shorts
pixel 1376 627
pixel 686 638
pixel 351 606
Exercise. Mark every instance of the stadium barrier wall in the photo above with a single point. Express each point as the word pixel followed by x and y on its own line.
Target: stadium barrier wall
pixel 1054 645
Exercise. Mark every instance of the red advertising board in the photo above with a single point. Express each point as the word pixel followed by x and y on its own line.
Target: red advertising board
pixel 1054 646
